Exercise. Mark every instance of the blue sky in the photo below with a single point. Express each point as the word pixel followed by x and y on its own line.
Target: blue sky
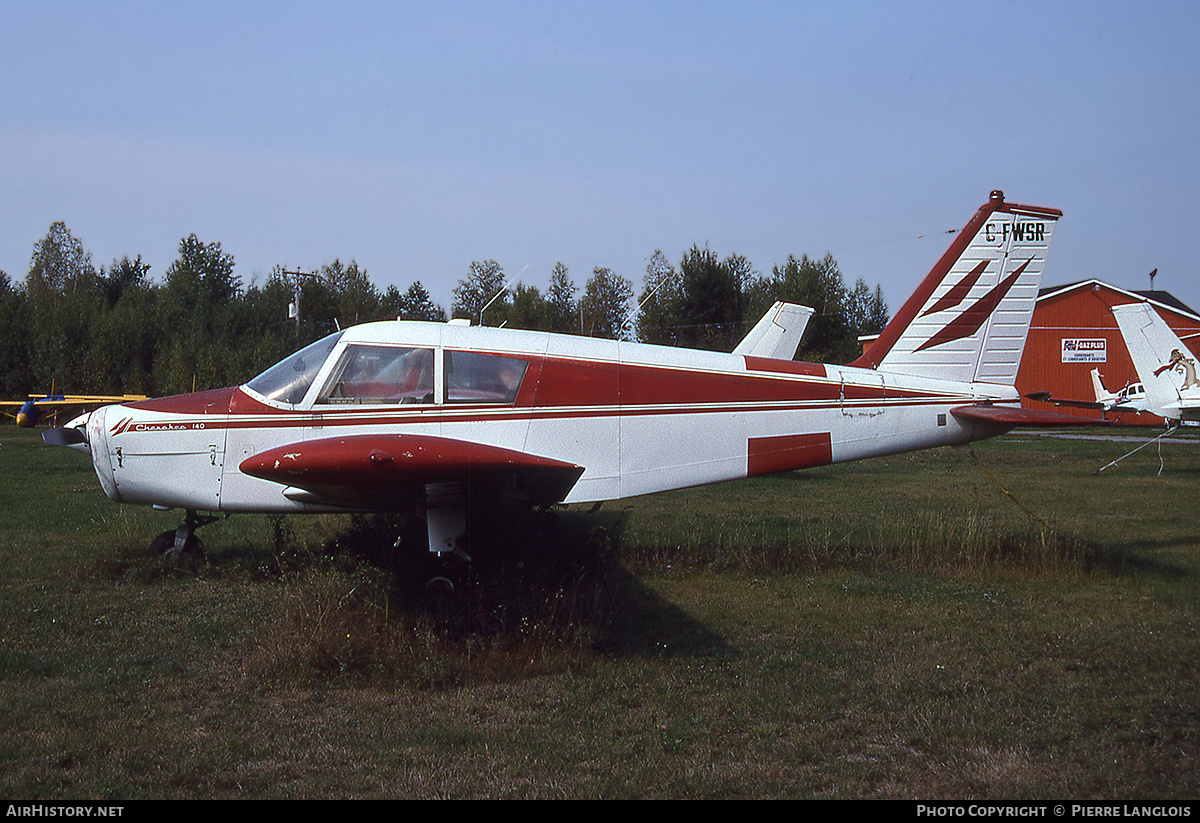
pixel 416 137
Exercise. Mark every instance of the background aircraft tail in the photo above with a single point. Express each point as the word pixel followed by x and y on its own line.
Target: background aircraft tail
pixel 1166 367
pixel 778 333
pixel 968 319
pixel 1103 395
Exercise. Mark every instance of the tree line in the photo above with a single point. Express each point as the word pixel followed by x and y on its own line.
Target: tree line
pixel 705 302
pixel 71 327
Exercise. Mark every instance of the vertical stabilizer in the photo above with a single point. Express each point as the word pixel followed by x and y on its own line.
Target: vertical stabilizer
pixel 968 319
pixel 1166 367
pixel 778 333
pixel 1103 395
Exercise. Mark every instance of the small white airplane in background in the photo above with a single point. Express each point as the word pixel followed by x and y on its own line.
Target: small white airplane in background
pixel 1166 367
pixel 432 417
pixel 1132 398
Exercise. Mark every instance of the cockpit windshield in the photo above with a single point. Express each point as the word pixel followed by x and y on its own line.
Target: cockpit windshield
pixel 288 380
pixel 380 374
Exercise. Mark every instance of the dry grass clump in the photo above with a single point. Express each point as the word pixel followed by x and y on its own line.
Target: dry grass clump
pixel 377 608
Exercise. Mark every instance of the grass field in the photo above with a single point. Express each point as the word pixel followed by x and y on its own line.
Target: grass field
pixel 999 623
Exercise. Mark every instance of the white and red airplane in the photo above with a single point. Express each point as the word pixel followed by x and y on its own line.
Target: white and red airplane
pixel 391 415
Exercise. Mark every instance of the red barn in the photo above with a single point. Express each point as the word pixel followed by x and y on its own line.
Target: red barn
pixel 1073 331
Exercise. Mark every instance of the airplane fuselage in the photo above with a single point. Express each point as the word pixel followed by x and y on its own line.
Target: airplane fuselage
pixel 638 419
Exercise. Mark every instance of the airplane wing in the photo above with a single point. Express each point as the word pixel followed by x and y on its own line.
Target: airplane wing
pixel 778 333
pixel 30 409
pixel 351 470
pixel 1046 397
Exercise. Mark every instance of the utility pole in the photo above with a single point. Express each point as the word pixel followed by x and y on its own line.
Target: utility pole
pixel 294 307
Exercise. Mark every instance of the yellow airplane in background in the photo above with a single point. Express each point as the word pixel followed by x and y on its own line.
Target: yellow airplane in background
pixel 29 412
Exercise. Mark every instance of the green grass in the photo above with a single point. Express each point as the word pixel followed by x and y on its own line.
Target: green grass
pixel 910 627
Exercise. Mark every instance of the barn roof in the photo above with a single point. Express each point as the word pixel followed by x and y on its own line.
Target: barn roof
pixel 1161 298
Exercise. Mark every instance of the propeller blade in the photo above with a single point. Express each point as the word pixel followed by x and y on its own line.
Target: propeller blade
pixel 64 436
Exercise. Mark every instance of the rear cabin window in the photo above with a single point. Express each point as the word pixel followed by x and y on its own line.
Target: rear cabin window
pixel 472 377
pixel 380 374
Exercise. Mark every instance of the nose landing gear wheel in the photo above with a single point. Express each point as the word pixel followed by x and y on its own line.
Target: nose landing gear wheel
pixel 182 541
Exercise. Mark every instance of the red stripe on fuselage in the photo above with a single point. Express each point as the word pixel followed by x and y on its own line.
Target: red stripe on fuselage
pixel 768 364
pixel 770 455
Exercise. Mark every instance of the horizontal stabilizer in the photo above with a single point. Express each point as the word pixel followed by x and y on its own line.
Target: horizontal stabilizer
pixel 1015 416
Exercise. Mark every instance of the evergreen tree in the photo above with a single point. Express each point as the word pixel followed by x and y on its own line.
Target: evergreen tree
pixel 711 310
pixel 605 305
pixel 482 289
pixel 818 284
pixel 14 368
pixel 416 304
pixel 353 297
pixel 62 296
pixel 562 309
pixel 197 295
pixel 528 309
pixel 660 318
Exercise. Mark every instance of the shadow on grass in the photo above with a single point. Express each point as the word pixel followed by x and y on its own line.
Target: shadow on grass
pixel 542 592
pixel 1143 557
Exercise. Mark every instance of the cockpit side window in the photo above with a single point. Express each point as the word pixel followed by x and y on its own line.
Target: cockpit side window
pixel 472 377
pixel 289 379
pixel 380 374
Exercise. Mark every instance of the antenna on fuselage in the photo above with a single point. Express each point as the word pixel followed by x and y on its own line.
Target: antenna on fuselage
pixel 628 315
pixel 490 302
